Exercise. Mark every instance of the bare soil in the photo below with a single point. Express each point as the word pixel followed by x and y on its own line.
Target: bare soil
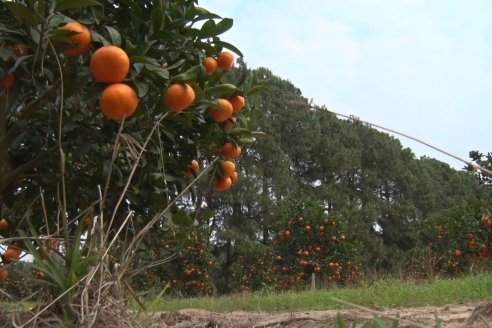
pixel 473 315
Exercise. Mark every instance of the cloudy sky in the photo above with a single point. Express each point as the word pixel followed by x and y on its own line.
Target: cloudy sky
pixel 421 67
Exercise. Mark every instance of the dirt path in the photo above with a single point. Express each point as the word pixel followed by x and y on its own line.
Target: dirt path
pixel 473 315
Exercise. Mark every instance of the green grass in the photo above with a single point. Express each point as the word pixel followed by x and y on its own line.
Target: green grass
pixel 384 293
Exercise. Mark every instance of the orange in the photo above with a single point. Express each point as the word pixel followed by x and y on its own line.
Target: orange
pixel 210 64
pixel 4 225
pixel 229 124
pixel 234 177
pixel 237 103
pixel 228 168
pixel 20 49
pixel 8 80
pixel 223 113
pixel 12 253
pixel 225 60
pixel 110 64
pixel 3 274
pixel 230 150
pixel 179 96
pixel 118 101
pixel 193 167
pixel 81 41
pixel 458 253
pixel 223 184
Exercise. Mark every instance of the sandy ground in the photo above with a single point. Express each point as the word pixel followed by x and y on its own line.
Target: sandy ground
pixel 471 315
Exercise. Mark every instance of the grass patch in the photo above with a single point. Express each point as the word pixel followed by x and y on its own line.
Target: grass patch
pixel 384 293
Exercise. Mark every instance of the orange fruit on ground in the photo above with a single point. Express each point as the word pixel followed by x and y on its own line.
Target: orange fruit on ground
pixel 12 253
pixel 237 103
pixel 179 96
pixel 223 184
pixel 228 168
pixel 4 225
pixel 210 64
pixel 192 167
pixel 118 101
pixel 3 274
pixel 225 61
pixel 81 41
pixel 223 113
pixel 230 150
pixel 234 177
pixel 110 64
pixel 20 49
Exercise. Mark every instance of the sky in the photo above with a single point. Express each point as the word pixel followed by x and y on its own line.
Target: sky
pixel 420 67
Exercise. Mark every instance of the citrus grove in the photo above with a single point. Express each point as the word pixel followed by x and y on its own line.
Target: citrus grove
pixel 110 114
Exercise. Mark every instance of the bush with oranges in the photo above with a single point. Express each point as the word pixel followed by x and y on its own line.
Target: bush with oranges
pixel 312 241
pixel 105 107
pixel 457 241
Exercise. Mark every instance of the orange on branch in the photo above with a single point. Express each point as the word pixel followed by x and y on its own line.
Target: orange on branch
pixel 179 96
pixel 237 103
pixel 20 49
pixel 12 253
pixel 225 60
pixel 222 184
pixel 230 150
pixel 234 177
pixel 192 167
pixel 81 41
pixel 8 80
pixel 110 64
pixel 4 225
pixel 3 274
pixel 118 101
pixel 222 112
pixel 210 64
pixel 228 168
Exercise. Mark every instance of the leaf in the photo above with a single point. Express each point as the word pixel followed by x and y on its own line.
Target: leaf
pixel 134 8
pixel 247 141
pixel 230 47
pixel 188 76
pixel 22 12
pixel 73 4
pixel 209 29
pixel 224 25
pixel 221 89
pixel 340 321
pixel 259 134
pixel 208 213
pixel 239 132
pixel 115 35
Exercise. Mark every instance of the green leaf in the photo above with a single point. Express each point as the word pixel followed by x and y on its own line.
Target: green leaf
pixel 115 35
pixel 157 17
pixel 182 218
pixel 222 89
pixel 247 141
pixel 340 321
pixel 134 8
pixel 230 47
pixel 209 29
pixel 224 25
pixel 22 12
pixel 73 4
pixel 188 76
pixel 259 134
pixel 208 213
pixel 240 132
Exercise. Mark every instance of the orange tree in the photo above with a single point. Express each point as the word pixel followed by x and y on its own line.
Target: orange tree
pixel 313 241
pixel 95 141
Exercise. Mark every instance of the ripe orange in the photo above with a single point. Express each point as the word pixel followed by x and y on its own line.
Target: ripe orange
pixel 229 123
pixel 307 228
pixel 110 64
pixel 12 253
pixel 225 60
pixel 4 225
pixel 118 101
pixel 237 103
pixel 192 167
pixel 458 253
pixel 234 177
pixel 230 150
pixel 3 274
pixel 179 96
pixel 8 80
pixel 228 168
pixel 223 113
pixel 210 64
pixel 81 41
pixel 223 184
pixel 20 49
